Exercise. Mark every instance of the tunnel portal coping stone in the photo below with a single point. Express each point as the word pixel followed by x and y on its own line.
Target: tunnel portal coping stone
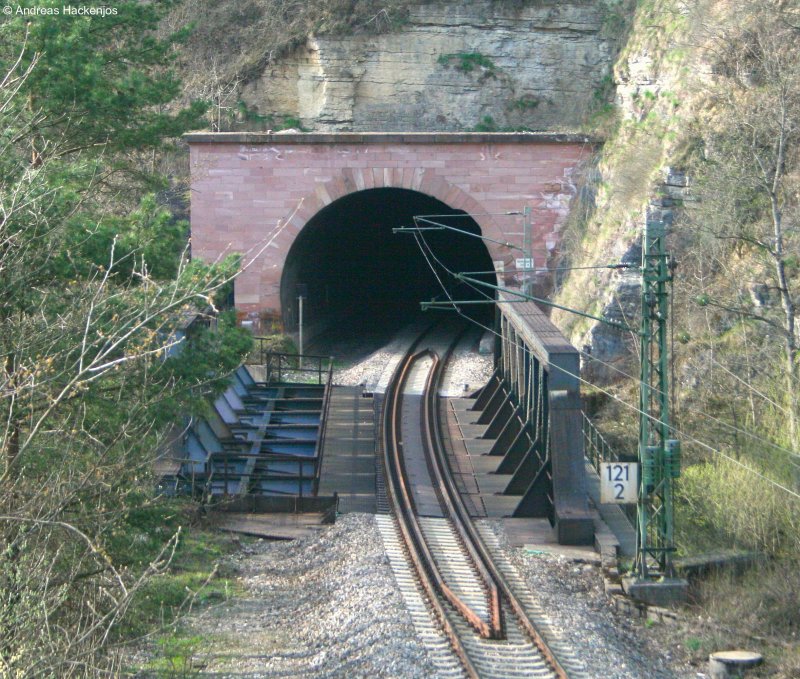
pixel 388 138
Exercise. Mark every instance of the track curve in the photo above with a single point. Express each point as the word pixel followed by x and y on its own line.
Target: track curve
pixel 487 626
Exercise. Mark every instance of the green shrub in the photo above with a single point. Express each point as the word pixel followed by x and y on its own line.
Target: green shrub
pixel 177 656
pixel 527 102
pixel 764 601
pixel 487 124
pixel 467 62
pixel 722 504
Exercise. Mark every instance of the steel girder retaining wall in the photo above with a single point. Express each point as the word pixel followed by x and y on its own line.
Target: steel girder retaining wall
pixel 533 408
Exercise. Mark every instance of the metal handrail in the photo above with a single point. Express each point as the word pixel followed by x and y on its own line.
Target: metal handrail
pixel 323 427
pixel 596 447
pixel 289 361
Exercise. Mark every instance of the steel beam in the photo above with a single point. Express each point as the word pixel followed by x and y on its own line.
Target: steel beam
pixel 536 501
pixel 572 520
pixel 515 453
pixel 527 470
pixel 548 380
pixel 488 391
pixel 505 413
pixel 509 434
pixel 493 406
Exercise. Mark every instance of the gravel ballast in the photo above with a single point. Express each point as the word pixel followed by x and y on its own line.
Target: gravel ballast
pixel 329 606
pixel 467 370
pixel 325 606
pixel 610 645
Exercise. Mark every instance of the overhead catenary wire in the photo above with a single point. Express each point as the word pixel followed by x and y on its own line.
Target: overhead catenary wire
pixel 472 215
pixel 672 428
pixel 702 413
pixel 557 268
pixel 684 435
pixel 420 238
pixel 783 409
pixel 730 427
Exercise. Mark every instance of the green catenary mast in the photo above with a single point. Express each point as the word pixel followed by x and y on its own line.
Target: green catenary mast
pixel 659 455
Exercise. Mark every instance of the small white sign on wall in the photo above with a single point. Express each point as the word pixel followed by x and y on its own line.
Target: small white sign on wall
pixel 525 264
pixel 619 482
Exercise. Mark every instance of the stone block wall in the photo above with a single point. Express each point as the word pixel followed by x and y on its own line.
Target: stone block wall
pixel 253 193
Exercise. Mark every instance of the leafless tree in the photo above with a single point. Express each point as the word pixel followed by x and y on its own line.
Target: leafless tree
pixel 87 376
pixel 748 179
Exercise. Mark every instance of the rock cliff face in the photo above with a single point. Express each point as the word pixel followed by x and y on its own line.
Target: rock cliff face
pixel 611 354
pixel 453 66
pixel 659 80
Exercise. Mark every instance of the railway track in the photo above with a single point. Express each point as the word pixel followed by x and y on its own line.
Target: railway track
pixel 459 589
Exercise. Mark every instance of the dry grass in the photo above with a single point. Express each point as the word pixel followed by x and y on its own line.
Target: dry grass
pixel 758 610
pixel 763 602
pixel 239 38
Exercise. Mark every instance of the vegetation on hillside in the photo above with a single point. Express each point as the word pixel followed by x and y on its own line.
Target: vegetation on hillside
pixel 714 89
pixel 96 290
pixel 234 42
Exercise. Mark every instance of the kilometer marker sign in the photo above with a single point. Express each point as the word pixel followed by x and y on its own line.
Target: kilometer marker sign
pixel 619 482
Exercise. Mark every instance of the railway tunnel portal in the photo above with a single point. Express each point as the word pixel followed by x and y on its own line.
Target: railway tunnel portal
pixel 350 265
pixel 317 211
pixel 314 215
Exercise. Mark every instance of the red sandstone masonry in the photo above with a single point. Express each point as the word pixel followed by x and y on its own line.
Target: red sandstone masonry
pixel 245 187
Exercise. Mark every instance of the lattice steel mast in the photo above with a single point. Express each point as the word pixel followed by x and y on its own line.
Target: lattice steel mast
pixel 659 455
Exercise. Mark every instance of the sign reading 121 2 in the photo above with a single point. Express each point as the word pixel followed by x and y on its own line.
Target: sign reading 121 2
pixel 619 482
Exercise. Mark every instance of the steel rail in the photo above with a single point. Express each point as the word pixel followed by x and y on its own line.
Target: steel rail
pixel 409 517
pixel 391 416
pixel 432 440
pixel 495 586
pixel 433 423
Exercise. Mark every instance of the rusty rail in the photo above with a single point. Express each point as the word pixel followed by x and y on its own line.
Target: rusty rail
pixel 400 502
pixel 409 517
pixel 497 588
pixel 494 630
pixel 471 535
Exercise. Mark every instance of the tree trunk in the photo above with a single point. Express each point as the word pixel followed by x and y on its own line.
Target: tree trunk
pixel 787 302
pixel 792 377
pixel 11 442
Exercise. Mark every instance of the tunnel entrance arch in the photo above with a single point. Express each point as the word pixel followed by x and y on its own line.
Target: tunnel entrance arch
pixel 254 193
pixel 351 267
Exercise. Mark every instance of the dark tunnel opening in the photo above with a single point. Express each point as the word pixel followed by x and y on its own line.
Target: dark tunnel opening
pixel 351 268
